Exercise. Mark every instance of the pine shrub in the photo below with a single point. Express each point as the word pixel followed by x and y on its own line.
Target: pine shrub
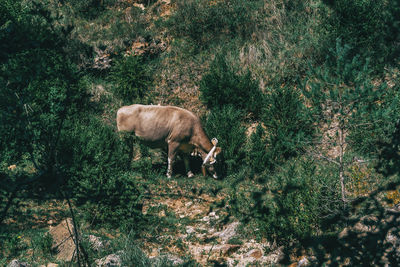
pixel 223 86
pixel 96 162
pixel 89 9
pixel 225 125
pixel 290 204
pixel 203 21
pixel 367 26
pixel 256 154
pixel 132 78
pixel 289 128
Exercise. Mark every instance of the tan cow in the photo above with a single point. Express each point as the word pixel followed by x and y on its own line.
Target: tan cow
pixel 175 128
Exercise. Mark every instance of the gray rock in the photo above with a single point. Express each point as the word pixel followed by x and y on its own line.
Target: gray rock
pixel 228 232
pixel 97 243
pixel 303 262
pixel 112 260
pixel 17 263
pixel 190 230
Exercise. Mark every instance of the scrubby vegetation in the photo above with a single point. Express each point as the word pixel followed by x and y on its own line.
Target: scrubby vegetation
pixel 303 97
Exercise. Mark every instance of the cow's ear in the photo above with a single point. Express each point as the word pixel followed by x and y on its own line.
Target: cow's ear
pixel 217 150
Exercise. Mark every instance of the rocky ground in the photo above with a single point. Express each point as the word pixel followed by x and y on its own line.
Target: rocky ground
pixel 203 232
pixel 209 237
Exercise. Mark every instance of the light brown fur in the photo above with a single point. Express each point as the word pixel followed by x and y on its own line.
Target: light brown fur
pixel 166 126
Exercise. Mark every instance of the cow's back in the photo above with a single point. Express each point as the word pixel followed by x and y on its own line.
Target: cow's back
pixel 156 123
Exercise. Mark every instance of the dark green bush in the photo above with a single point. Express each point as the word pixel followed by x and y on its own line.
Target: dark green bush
pixel 368 26
pixel 96 163
pixel 89 9
pixel 292 203
pixel 289 128
pixel 40 86
pixel 203 21
pixel 256 152
pixel 223 86
pixel 225 125
pixel 342 91
pixel 132 78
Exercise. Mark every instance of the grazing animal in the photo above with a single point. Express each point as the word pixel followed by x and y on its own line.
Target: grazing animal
pixel 175 128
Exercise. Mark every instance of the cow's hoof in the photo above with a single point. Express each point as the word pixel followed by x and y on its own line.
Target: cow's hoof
pixel 190 174
pixel 169 176
pixel 215 176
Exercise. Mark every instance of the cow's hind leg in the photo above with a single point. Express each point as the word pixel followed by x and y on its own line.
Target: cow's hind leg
pixel 187 166
pixel 172 149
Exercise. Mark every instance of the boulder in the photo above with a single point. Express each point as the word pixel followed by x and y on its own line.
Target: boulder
pixel 63 241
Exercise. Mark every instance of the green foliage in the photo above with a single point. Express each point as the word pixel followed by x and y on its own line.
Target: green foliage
pixel 42 243
pixel 342 92
pixel 289 128
pixel 291 205
pixel 367 26
pixel 367 239
pixel 96 162
pixel 204 21
pixel 12 246
pixel 89 9
pixel 40 92
pixel 45 129
pixel 131 74
pixel 223 86
pixel 225 125
pixel 389 154
pixel 256 154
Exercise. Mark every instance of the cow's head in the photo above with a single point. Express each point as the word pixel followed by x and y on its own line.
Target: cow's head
pixel 210 160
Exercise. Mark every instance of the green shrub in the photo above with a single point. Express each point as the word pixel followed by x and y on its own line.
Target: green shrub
pixel 132 79
pixel 223 86
pixel 366 25
pixel 203 21
pixel 343 96
pixel 291 204
pixel 289 128
pixel 256 152
pixel 225 125
pixel 40 91
pixel 42 244
pixel 89 9
pixel 96 162
pixel 12 246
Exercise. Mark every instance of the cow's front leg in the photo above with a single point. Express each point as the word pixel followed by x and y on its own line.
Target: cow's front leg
pixel 187 166
pixel 172 149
